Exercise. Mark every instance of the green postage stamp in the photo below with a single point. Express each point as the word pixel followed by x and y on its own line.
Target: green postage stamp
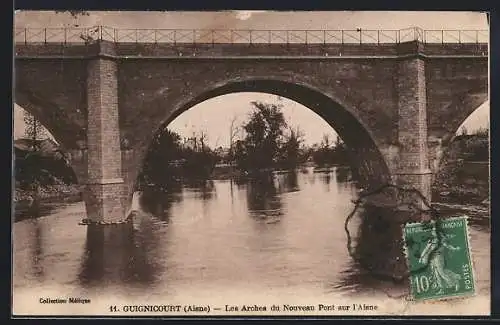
pixel 439 258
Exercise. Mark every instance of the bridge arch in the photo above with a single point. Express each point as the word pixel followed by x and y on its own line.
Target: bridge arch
pixel 368 162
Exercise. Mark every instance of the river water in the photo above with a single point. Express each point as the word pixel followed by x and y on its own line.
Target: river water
pixel 223 242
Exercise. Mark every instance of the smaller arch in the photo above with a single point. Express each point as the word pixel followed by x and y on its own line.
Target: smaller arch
pixel 461 108
pixel 443 154
pixel 66 133
pixel 63 157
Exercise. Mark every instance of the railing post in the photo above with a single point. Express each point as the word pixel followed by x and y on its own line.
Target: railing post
pixel 175 37
pixel 26 36
pixel 477 37
pixel 100 33
pixel 65 32
pixel 459 37
pixel 250 37
pixel 231 36
pixel 442 36
pixel 269 36
pixel 342 36
pixel 287 37
pixel 306 37
pixel 213 37
pixel 45 35
pixel 115 35
pixel 398 36
pixel 324 37
pixel 155 37
pixel 136 36
pixel 378 37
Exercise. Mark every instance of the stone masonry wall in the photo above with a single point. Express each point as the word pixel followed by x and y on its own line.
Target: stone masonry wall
pixel 104 193
pixel 414 168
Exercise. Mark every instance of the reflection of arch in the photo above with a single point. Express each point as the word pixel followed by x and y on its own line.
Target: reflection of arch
pixel 369 162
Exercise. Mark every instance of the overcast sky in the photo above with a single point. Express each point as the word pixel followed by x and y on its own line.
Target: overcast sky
pixel 215 115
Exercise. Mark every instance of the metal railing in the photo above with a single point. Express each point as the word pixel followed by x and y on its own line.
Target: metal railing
pixel 239 36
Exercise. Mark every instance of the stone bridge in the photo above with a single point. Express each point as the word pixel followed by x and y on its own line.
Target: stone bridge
pixel 397 102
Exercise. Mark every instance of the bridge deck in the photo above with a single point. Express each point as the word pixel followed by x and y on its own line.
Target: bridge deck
pixel 152 50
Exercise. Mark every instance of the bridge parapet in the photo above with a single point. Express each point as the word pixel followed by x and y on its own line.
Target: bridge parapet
pixel 239 36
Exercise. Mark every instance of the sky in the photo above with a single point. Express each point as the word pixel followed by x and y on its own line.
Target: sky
pixel 214 116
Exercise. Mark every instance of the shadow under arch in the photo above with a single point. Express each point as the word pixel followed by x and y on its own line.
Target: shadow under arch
pixel 465 106
pixel 66 133
pixel 74 172
pixel 462 107
pixel 366 158
pixel 451 172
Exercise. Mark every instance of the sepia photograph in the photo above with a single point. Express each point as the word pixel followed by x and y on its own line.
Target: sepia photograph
pixel 250 163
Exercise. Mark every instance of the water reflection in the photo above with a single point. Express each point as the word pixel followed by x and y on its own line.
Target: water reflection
pixel 203 189
pixel 159 203
pixel 343 174
pixel 119 254
pixel 262 197
pixel 269 232
pixel 376 255
pixel 37 249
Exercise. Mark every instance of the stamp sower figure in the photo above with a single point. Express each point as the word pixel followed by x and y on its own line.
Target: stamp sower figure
pixel 434 254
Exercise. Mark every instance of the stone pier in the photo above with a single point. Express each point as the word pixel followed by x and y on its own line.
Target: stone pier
pixel 414 169
pixel 104 189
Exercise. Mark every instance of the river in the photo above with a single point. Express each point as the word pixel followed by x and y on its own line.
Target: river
pixel 249 242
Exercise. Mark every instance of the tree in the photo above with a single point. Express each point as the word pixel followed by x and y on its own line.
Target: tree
pixel 233 132
pixel 263 138
pixel 164 149
pixel 291 151
pixel 34 168
pixel 34 130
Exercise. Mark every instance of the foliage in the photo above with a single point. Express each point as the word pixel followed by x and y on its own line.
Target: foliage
pixel 327 153
pixel 171 159
pixel 473 147
pixel 34 130
pixel 457 176
pixel 36 168
pixel 260 148
pixel 292 153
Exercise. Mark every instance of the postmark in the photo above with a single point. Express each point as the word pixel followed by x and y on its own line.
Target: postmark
pixel 439 259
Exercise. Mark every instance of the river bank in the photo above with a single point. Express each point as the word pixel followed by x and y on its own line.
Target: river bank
pixel 49 195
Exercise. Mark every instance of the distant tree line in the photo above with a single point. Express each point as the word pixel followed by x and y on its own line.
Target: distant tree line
pixel 262 143
pixel 474 146
pixel 171 159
